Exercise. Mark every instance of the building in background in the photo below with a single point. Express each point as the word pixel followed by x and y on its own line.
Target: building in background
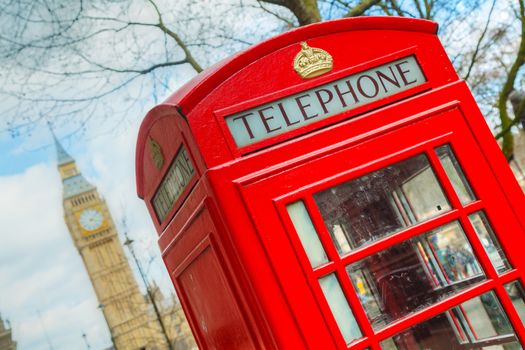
pixel 6 338
pixel 132 323
pixel 178 329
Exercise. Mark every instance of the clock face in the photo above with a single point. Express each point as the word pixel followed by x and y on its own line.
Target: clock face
pixel 91 219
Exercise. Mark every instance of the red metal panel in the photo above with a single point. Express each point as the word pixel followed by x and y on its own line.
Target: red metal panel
pixel 262 275
pixel 171 131
pixel 194 91
pixel 338 74
pixel 218 324
pixel 310 176
pixel 271 78
pixel 202 273
pixel 256 71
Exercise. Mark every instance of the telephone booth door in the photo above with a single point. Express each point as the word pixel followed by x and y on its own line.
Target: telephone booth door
pixel 404 238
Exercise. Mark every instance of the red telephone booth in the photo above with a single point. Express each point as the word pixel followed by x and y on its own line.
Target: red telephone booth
pixel 336 187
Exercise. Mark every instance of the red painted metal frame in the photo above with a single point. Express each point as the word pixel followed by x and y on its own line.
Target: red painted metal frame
pixel 221 114
pixel 458 213
pixel 181 236
pixel 245 191
pixel 165 125
pixel 225 85
pixel 194 91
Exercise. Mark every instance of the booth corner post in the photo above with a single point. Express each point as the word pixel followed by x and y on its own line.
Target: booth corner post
pixel 336 187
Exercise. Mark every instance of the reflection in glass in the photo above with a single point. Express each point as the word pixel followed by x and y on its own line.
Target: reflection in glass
pixel 414 274
pixel 517 295
pixel 340 308
pixel 489 241
pixel 479 323
pixel 380 203
pixel 307 234
pixel 455 174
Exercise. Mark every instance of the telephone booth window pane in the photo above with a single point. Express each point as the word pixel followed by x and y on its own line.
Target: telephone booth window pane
pixel 455 174
pixel 414 274
pixel 478 323
pixel 517 295
pixel 381 203
pixel 340 309
pixel 307 234
pixel 490 242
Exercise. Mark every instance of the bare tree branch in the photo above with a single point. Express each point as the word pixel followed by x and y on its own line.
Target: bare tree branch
pixel 419 9
pixel 361 8
pixel 396 8
pixel 385 8
pixel 506 122
pixel 289 23
pixel 306 11
pixel 478 44
pixel 189 57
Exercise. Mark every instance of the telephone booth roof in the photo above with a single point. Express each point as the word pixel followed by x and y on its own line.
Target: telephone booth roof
pixel 212 91
pixel 190 94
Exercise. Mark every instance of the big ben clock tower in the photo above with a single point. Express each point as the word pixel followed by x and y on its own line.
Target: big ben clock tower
pixel 95 236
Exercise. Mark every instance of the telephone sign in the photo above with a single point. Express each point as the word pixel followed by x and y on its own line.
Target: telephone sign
pixel 336 187
pixel 306 107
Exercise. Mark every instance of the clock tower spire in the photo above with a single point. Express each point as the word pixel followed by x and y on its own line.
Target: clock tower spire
pixel 95 236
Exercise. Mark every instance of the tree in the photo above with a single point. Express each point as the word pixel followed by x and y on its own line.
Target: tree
pixel 506 90
pixel 96 61
pixel 66 59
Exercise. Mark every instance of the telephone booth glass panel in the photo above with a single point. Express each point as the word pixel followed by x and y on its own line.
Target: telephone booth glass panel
pixel 343 315
pixel 415 273
pixel 400 239
pixel 490 242
pixel 517 295
pixel 306 231
pixel 478 323
pixel 381 203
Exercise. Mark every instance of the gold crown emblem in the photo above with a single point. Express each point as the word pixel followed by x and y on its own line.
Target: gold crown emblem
pixel 156 153
pixel 311 62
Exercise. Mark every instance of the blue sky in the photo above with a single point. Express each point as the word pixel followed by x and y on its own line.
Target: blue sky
pixel 13 162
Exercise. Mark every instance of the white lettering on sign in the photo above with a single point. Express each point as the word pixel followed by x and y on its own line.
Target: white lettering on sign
pixel 312 105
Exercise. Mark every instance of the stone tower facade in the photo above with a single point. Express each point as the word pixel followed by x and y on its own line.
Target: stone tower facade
pixel 6 338
pixel 91 226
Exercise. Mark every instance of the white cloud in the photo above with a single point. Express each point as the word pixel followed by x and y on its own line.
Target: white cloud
pixel 40 269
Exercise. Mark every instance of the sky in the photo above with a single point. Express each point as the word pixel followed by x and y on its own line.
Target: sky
pixel 44 288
